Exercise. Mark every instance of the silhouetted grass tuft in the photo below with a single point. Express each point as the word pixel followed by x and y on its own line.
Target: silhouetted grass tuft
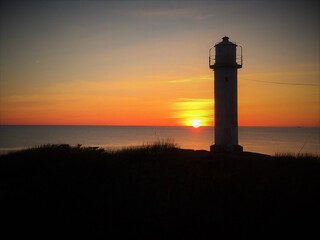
pixel 154 148
pixel 297 155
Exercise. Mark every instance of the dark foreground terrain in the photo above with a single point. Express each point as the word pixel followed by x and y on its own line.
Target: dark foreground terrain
pixel 158 192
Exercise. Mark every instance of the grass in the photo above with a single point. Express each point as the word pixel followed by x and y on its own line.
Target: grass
pixel 157 147
pixel 297 155
pixel 158 191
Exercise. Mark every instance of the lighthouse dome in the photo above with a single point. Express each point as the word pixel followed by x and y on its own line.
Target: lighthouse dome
pixel 225 41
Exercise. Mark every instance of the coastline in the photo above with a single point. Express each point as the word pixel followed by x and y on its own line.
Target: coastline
pixel 254 139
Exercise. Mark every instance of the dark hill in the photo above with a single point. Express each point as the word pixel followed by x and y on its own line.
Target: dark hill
pixel 158 192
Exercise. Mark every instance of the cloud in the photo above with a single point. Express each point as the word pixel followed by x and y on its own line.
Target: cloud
pixel 204 78
pixel 195 13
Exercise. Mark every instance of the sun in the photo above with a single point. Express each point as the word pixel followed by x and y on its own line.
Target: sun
pixel 196 123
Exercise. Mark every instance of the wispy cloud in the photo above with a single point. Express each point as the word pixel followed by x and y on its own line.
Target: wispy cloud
pixel 205 78
pixel 195 13
pixel 180 81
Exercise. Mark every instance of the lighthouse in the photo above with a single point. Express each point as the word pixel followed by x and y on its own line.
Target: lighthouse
pixel 225 58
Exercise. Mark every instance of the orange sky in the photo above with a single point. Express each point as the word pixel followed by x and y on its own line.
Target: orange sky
pixel 147 64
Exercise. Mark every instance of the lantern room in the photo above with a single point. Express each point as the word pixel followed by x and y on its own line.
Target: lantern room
pixel 226 54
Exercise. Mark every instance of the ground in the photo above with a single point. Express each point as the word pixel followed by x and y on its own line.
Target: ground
pixel 158 192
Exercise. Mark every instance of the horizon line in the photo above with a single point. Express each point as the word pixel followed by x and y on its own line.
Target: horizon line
pixel 105 125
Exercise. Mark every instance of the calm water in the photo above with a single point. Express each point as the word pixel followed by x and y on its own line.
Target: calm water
pixel 268 140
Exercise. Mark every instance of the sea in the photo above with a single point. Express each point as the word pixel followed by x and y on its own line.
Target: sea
pixel 266 140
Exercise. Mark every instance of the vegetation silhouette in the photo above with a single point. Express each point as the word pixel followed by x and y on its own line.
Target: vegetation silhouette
pixel 158 191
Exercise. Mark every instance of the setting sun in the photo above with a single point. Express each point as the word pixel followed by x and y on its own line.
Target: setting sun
pixel 196 123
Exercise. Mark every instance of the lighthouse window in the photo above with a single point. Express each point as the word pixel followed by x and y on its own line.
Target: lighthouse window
pixel 217 52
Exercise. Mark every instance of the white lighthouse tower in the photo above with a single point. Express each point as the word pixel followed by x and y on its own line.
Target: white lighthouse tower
pixel 225 63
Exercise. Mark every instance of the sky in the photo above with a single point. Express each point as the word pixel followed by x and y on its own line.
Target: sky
pixel 79 62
